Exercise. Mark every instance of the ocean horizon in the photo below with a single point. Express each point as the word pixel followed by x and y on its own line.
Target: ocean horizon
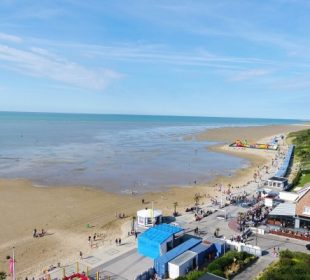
pixel 118 153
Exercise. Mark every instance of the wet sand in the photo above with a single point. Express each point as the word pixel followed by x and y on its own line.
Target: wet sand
pixel 64 212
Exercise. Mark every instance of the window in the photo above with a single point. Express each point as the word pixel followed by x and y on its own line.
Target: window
pixel 306 210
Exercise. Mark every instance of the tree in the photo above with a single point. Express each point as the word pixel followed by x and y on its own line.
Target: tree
pixel 196 198
pixel 175 205
pixel 2 275
pixel 133 223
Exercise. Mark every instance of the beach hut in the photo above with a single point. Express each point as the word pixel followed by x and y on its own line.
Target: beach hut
pixel 149 217
pixel 278 182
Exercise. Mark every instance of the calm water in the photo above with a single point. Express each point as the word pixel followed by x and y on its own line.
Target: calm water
pixel 119 153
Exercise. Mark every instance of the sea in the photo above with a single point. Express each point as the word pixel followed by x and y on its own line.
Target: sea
pixel 118 153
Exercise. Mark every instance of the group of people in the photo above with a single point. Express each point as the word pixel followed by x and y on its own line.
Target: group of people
pixel 275 252
pixel 118 241
pixel 35 233
pixel 92 240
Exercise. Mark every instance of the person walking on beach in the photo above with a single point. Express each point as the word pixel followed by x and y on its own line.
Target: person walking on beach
pixel 89 240
pixel 81 255
pixel 34 234
pixel 116 241
pixel 119 241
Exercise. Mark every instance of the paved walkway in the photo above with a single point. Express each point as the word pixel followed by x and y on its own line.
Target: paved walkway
pixel 100 256
pixel 255 269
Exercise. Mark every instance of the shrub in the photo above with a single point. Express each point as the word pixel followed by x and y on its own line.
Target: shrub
pixel 214 266
pixel 292 265
pixel 286 261
pixel 286 254
pixel 2 275
pixel 243 255
pixel 218 273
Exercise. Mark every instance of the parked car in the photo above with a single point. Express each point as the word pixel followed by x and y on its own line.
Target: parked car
pixel 246 204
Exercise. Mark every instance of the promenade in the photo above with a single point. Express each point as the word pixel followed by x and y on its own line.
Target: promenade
pixel 124 262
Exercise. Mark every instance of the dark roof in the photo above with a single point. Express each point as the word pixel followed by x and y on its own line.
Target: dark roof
pixel 210 276
pixel 274 178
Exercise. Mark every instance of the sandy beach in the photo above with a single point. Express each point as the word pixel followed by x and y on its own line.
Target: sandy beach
pixel 64 212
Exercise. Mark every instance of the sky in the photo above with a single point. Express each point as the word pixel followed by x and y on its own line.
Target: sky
pixel 156 57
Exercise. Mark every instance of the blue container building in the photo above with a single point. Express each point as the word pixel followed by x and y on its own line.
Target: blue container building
pixel 161 263
pixel 157 240
pixel 203 251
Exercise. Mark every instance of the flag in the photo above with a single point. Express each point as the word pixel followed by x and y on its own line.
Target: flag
pixel 12 266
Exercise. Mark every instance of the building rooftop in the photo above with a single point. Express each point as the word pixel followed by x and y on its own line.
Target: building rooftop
pixel 183 258
pixel 279 179
pixel 284 209
pixel 160 233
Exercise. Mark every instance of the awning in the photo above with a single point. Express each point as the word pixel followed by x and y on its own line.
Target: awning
pixel 284 209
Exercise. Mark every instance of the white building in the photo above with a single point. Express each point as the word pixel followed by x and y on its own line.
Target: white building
pixel 149 217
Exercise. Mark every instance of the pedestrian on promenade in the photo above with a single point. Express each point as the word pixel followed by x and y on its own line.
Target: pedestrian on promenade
pixel 116 241
pixel 119 241
pixel 136 235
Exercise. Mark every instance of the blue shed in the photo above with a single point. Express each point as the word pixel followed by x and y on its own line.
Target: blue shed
pixel 155 241
pixel 161 263
pixel 203 250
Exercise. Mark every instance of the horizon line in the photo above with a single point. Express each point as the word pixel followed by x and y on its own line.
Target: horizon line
pixel 152 115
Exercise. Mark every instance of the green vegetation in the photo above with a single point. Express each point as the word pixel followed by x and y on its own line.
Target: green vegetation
pixel 304 178
pixel 302 154
pixel 231 264
pixel 292 265
pixel 193 275
pixel 226 266
pixel 2 275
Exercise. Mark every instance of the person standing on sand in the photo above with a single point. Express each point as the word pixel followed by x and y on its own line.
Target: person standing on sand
pixel 119 241
pixel 116 241
pixel 81 255
pixel 34 234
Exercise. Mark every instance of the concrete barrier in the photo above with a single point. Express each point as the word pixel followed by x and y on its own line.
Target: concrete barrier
pixel 242 247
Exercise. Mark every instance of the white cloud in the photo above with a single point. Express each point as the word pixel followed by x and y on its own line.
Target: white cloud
pixel 249 74
pixel 10 38
pixel 42 63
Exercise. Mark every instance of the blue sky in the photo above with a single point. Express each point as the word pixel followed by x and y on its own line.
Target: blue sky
pixel 205 58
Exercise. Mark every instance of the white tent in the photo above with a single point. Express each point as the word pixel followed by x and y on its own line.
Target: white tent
pixel 149 217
